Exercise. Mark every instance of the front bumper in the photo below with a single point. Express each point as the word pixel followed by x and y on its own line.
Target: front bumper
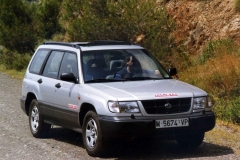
pixel 143 126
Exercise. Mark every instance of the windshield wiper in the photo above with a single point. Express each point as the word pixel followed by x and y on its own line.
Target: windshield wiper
pixel 142 78
pixel 103 80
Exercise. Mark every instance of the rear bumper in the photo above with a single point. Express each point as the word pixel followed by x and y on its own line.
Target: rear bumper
pixel 143 126
pixel 22 103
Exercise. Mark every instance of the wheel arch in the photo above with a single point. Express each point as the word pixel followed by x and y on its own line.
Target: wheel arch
pixel 85 107
pixel 30 97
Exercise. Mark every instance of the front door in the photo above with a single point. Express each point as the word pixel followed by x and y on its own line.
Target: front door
pixel 66 96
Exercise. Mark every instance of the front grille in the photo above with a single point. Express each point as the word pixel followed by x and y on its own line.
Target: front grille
pixel 178 105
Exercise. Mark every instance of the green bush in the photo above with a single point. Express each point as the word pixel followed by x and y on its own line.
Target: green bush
pixel 14 60
pixel 228 110
pixel 46 15
pixel 237 5
pixel 16 26
pixel 214 48
pixel 235 111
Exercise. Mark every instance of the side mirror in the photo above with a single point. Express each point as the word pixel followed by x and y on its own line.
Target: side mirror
pixel 172 71
pixel 69 77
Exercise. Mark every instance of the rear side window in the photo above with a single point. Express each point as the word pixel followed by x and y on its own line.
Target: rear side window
pixel 38 60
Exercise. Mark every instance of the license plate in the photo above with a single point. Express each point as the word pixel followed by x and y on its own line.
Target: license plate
pixel 166 123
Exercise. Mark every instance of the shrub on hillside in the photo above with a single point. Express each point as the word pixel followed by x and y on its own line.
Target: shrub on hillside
pixel 228 109
pixel 46 18
pixel 219 76
pixel 144 22
pixel 14 60
pixel 237 5
pixel 16 27
pixel 214 48
pixel 235 111
pixel 218 73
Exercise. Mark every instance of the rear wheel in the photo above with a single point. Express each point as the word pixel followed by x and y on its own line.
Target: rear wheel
pixel 92 136
pixel 37 126
pixel 190 140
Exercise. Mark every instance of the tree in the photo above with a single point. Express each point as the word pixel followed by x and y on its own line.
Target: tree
pixel 46 18
pixel 141 21
pixel 17 31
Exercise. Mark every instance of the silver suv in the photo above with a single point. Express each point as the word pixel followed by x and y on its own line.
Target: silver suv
pixel 106 89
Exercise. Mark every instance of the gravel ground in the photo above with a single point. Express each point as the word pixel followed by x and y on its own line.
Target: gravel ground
pixel 16 141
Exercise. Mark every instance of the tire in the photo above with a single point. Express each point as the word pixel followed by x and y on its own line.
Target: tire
pixel 190 140
pixel 38 128
pixel 92 136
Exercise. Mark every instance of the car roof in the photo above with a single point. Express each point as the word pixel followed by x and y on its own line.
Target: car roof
pixel 96 45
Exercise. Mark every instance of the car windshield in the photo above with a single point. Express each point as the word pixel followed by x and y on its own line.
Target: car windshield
pixel 115 65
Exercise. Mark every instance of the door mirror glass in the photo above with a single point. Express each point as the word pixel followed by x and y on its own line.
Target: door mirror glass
pixel 172 71
pixel 69 77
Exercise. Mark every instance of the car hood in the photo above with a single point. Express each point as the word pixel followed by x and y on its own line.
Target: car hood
pixel 150 89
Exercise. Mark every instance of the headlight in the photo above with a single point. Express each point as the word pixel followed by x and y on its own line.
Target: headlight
pixel 200 103
pixel 123 107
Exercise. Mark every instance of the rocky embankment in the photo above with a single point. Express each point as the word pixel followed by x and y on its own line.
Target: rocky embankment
pixel 198 22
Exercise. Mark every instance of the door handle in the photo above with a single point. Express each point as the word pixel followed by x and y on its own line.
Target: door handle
pixel 40 81
pixel 58 85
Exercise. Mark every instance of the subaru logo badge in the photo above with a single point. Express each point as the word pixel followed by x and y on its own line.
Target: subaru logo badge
pixel 168 105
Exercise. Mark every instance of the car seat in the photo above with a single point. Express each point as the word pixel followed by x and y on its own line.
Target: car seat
pixel 115 66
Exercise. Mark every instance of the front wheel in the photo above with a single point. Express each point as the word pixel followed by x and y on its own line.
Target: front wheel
pixel 37 126
pixel 92 136
pixel 192 140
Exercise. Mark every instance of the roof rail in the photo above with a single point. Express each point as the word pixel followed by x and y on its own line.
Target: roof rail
pixel 62 44
pixel 94 43
pixel 80 43
pixel 109 42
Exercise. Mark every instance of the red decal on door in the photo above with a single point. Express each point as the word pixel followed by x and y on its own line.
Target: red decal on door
pixel 72 106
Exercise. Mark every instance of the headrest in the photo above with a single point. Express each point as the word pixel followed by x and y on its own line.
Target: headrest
pixel 97 63
pixel 91 62
pixel 116 65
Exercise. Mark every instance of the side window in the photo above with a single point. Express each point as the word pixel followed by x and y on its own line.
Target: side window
pixel 38 60
pixel 52 67
pixel 69 64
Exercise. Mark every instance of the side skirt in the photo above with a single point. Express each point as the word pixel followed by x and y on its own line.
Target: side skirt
pixel 64 125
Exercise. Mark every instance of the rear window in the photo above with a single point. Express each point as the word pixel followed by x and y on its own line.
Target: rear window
pixel 38 61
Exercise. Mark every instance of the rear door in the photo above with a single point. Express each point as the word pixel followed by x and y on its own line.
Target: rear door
pixel 47 83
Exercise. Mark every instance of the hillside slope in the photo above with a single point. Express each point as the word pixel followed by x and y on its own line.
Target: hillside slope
pixel 198 22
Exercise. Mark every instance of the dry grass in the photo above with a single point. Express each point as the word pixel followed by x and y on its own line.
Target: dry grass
pixel 12 73
pixel 218 73
pixel 225 134
pixel 219 76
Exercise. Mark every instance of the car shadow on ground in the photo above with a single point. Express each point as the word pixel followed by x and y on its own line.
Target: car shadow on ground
pixel 143 148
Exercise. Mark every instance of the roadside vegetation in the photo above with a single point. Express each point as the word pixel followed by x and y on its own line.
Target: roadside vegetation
pixel 237 5
pixel 217 71
pixel 26 24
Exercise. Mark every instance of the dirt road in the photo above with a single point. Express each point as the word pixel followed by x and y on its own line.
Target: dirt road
pixel 16 141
